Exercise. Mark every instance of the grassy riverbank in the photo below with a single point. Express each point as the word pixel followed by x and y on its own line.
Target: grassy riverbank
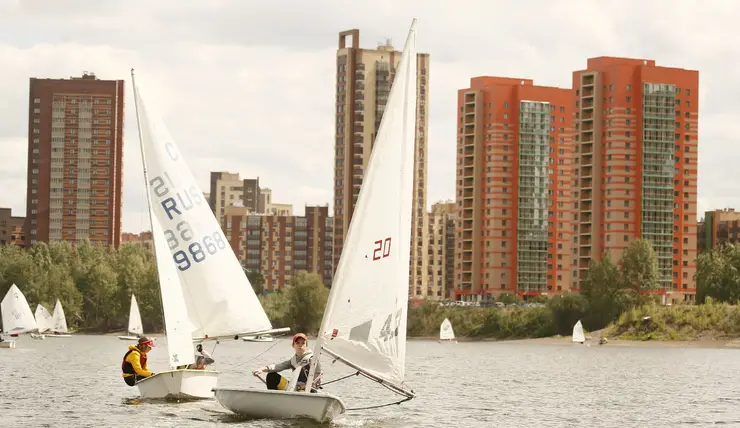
pixel 688 323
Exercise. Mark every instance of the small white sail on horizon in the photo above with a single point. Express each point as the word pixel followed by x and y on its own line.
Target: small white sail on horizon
pixel 44 319
pixel 59 324
pixel 578 336
pixel 135 326
pixel 16 313
pixel 445 330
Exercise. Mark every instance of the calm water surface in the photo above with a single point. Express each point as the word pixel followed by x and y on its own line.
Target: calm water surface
pixel 76 382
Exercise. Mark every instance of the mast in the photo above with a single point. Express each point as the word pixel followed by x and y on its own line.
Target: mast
pixel 146 185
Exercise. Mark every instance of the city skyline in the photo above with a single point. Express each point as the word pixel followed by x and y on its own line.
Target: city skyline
pixel 255 77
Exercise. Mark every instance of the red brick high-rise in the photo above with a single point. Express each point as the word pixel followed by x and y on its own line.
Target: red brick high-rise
pixel 637 168
pixel 515 205
pixel 75 160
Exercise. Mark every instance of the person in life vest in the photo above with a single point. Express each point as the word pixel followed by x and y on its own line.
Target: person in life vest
pixel 134 366
pixel 302 358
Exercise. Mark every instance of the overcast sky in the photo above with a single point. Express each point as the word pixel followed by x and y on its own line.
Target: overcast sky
pixel 247 86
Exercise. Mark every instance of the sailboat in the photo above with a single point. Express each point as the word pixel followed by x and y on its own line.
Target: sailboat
pixel 44 321
pixel 578 336
pixel 59 323
pixel 135 327
pixel 364 324
pixel 16 315
pixel 446 333
pixel 205 293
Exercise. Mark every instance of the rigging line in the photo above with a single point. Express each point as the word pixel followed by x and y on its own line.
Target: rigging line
pixel 341 378
pixel 380 405
pixel 258 355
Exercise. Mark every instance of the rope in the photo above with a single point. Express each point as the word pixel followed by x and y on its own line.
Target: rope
pixel 341 378
pixel 257 356
pixel 380 405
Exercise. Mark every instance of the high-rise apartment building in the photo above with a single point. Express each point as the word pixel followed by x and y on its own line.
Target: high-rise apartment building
pixel 228 188
pixel 363 82
pixel 637 134
pixel 279 246
pixel 515 209
pixel 441 252
pixel 75 160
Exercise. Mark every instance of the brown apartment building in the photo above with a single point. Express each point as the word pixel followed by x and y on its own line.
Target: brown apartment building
pixel 363 82
pixel 279 246
pixel 75 160
pixel 514 179
pixel 441 253
pixel 637 136
pixel 11 228
pixel 719 227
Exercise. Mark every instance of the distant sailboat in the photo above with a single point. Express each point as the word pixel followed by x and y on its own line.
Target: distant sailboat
pixel 59 323
pixel 578 336
pixel 16 315
pixel 44 321
pixel 135 327
pixel 446 333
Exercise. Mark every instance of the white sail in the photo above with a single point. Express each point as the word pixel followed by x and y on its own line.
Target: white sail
pixel 578 335
pixel 176 322
pixel 365 319
pixel 44 319
pixel 16 314
pixel 445 330
pixel 220 300
pixel 59 320
pixel 134 318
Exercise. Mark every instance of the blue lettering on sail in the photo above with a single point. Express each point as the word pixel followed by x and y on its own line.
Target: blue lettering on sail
pixel 186 248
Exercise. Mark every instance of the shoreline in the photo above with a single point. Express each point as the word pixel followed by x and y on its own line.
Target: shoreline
pixel 621 343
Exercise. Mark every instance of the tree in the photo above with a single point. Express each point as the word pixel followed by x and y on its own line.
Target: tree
pixel 639 267
pixel 257 280
pixel 306 296
pixel 718 274
pixel 566 310
pixel 601 288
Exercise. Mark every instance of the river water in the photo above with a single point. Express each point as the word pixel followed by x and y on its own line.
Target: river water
pixel 76 382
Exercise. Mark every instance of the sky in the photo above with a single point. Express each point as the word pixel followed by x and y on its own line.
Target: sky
pixel 247 86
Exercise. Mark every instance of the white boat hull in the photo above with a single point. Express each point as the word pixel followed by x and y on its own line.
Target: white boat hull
pixel 270 404
pixel 257 339
pixel 7 344
pixel 59 336
pixel 179 385
pixel 134 338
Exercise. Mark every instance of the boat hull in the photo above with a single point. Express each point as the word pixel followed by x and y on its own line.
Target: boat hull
pixel 270 404
pixel 134 338
pixel 59 336
pixel 38 336
pixel 179 385
pixel 7 344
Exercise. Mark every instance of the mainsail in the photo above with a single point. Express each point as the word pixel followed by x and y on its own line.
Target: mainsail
pixel 364 324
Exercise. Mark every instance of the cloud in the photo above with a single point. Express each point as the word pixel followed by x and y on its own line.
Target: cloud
pixel 248 86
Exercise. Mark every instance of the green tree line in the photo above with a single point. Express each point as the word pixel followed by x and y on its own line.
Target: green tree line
pixel 95 283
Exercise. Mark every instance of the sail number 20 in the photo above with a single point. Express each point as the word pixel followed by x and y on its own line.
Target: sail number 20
pixel 382 249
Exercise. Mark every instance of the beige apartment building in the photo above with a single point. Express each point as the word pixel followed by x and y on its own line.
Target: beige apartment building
pixel 440 279
pixel 363 83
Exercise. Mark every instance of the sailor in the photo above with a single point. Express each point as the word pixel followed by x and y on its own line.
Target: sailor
pixel 302 358
pixel 134 366
pixel 202 360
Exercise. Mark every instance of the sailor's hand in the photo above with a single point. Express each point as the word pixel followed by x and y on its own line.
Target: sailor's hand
pixel 257 372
